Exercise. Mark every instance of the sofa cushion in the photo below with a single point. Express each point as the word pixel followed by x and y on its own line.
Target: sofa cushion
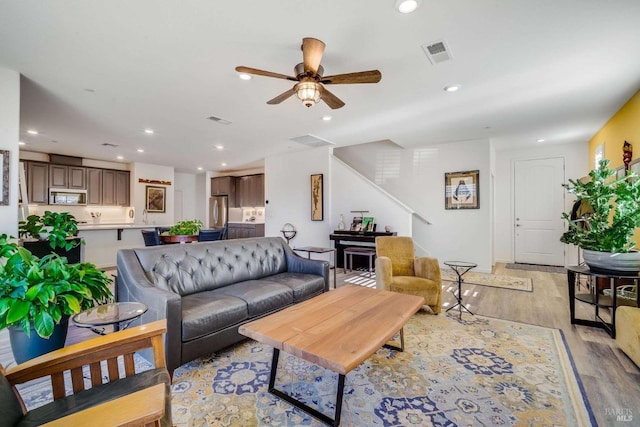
pixel 261 296
pixel 207 312
pixel 100 394
pixel 10 410
pixel 196 267
pixel 302 285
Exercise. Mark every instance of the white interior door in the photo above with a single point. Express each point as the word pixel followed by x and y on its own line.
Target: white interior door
pixel 177 205
pixel 539 203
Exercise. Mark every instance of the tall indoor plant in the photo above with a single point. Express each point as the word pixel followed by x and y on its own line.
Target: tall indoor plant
pixel 606 232
pixel 37 296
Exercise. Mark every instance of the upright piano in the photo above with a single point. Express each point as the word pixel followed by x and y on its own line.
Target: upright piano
pixel 344 238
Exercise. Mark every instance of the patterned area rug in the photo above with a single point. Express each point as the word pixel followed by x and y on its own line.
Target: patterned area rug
pixel 469 372
pixel 536 267
pixel 525 284
pixel 494 280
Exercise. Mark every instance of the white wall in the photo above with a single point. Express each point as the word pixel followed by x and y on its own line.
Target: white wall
pixel 186 182
pixel 351 191
pixel 576 165
pixel 415 175
pixel 152 172
pixel 9 137
pixel 288 192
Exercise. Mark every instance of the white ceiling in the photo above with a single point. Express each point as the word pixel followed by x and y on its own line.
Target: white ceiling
pixel 100 71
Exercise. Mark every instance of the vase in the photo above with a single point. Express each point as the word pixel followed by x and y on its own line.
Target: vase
pixel 611 261
pixel 28 347
pixel 341 223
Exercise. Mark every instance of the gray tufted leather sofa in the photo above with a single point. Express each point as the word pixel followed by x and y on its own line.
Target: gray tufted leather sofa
pixel 207 290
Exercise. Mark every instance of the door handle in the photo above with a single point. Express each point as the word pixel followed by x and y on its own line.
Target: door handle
pixel 517 225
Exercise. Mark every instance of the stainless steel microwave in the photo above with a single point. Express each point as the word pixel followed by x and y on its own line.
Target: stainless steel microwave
pixel 63 196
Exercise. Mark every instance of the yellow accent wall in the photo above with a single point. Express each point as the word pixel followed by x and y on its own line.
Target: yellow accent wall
pixel 622 126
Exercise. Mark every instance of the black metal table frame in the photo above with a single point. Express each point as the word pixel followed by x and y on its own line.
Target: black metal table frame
pixel 339 393
pixel 614 277
pixel 460 268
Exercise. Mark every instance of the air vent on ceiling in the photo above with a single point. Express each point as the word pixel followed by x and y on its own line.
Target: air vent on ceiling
pixel 311 141
pixel 437 51
pixel 108 144
pixel 219 120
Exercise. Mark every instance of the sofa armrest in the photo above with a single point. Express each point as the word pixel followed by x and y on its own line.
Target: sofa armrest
pixel 428 268
pixel 132 285
pixel 298 264
pixel 384 272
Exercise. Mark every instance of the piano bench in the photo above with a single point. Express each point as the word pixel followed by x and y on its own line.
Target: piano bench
pixel 351 251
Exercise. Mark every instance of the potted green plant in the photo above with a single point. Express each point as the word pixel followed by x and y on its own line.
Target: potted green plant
pixel 606 233
pixel 37 296
pixel 55 227
pixel 185 228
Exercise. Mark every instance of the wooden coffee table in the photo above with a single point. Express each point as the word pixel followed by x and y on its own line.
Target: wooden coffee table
pixel 337 330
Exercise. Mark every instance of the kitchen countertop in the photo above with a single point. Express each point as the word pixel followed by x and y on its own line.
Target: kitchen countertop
pixel 245 222
pixel 116 226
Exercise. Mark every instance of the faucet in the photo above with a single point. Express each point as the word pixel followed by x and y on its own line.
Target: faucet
pixel 145 220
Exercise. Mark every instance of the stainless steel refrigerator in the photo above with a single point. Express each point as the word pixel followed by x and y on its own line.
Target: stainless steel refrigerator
pixel 218 211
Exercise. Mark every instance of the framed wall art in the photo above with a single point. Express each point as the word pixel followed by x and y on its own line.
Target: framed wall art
pixel 4 161
pixel 155 200
pixel 462 190
pixel 317 208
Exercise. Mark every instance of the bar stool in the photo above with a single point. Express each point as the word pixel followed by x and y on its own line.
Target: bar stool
pixel 351 251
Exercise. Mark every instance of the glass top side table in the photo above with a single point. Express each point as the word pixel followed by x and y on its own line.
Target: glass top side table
pixel 460 268
pixel 117 313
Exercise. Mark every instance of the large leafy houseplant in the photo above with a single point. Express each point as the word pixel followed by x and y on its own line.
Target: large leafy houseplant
pixel 38 292
pixel 615 203
pixel 56 227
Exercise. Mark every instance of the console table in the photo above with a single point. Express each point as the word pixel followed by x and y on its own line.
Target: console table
pixel 594 298
pixel 343 239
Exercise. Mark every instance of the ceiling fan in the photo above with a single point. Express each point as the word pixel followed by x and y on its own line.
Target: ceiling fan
pixel 310 80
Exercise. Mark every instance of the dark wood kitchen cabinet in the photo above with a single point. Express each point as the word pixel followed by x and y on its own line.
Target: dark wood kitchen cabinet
pixel 71 177
pixel 245 230
pixel 225 186
pixel 94 186
pixel 250 190
pixel 115 188
pixel 37 182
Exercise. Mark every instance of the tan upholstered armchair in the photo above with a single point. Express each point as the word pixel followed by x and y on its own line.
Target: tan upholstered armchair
pixel 398 270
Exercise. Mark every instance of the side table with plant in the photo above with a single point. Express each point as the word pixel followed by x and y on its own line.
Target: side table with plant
pixel 39 294
pixel 606 234
pixel 51 232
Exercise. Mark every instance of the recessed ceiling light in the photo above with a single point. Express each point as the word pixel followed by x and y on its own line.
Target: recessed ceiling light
pixel 22 143
pixel 33 132
pixel 148 131
pixel 219 147
pixel 452 88
pixel 326 118
pixel 244 76
pixel 540 140
pixel 140 150
pixel 407 6
pixel 223 164
pixel 119 157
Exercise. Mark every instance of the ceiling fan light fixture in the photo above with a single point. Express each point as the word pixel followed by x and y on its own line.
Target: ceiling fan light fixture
pixel 407 6
pixel 308 93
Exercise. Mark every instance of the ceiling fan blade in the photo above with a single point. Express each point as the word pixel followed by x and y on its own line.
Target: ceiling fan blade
pixel 312 50
pixel 330 99
pixel 372 76
pixel 278 99
pixel 248 70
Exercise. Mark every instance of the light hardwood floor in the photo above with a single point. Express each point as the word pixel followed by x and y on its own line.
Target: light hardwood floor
pixel 610 379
